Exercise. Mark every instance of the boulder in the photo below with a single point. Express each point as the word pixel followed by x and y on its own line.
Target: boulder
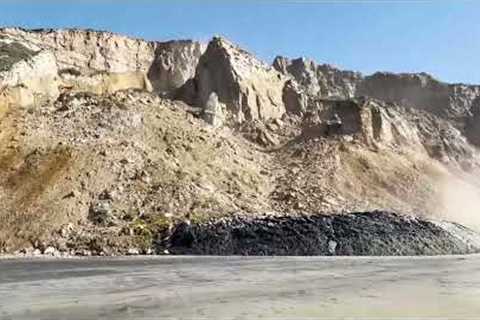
pixel 174 64
pixel 214 112
pixel 101 213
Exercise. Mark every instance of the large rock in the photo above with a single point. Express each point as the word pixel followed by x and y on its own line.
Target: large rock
pixel 214 111
pixel 319 80
pixel 296 100
pixel 247 87
pixel 168 65
pixel 174 64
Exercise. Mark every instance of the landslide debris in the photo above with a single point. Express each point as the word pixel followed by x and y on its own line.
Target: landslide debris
pixel 118 167
pixel 361 234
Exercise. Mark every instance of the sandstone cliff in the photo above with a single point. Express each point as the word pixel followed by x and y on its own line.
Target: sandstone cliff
pixel 107 142
pixel 174 64
pixel 168 65
pixel 28 75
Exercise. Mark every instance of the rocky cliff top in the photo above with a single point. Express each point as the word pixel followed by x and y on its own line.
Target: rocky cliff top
pixel 321 80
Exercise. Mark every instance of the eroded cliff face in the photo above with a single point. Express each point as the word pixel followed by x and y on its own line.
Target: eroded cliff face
pixel 319 80
pixel 249 88
pixel 373 122
pixel 418 90
pixel 174 64
pixel 105 83
pixel 380 125
pixel 167 65
pixel 422 91
pixel 28 75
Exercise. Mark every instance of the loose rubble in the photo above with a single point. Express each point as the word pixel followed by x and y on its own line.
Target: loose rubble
pixel 369 233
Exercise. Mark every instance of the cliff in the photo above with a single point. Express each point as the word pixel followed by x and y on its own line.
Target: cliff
pixel 168 65
pixel 418 90
pixel 108 144
pixel 422 91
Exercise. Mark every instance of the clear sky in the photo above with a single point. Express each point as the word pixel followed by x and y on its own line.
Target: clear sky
pixel 440 37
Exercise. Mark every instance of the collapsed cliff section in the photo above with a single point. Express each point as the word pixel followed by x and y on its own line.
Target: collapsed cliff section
pixel 441 116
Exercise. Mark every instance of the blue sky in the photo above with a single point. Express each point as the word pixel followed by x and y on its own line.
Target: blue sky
pixel 438 37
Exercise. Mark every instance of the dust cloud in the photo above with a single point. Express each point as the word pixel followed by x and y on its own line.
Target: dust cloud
pixel 459 199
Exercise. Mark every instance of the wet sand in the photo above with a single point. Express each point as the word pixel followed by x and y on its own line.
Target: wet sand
pixel 240 288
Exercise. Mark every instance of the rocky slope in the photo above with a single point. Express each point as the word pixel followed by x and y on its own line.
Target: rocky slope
pixel 108 143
